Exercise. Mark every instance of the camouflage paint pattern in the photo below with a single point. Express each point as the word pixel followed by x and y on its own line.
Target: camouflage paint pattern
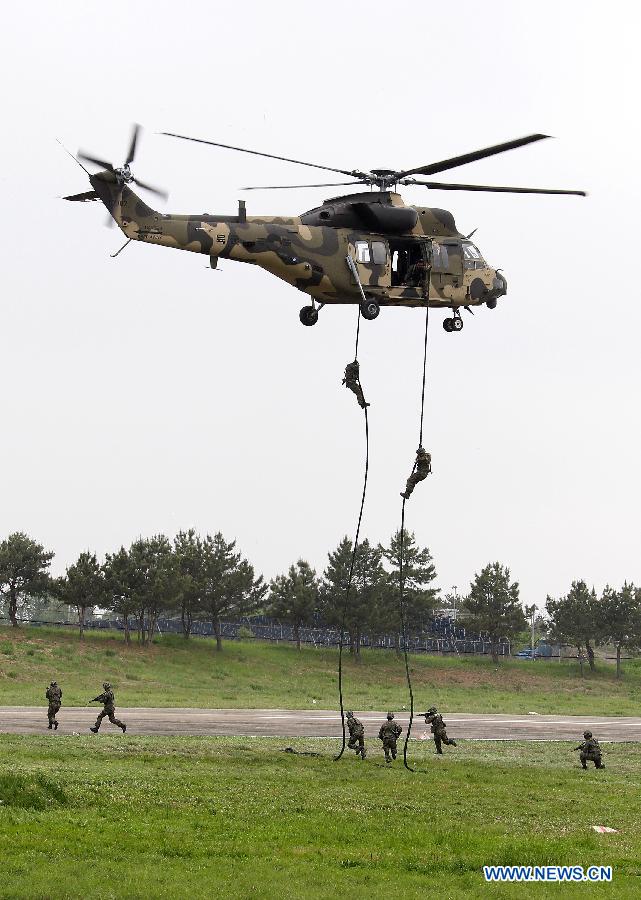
pixel 311 257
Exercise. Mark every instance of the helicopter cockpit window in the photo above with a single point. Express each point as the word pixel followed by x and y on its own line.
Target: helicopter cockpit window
pixel 362 252
pixel 472 258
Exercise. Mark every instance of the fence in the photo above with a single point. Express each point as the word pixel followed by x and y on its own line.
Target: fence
pixel 438 635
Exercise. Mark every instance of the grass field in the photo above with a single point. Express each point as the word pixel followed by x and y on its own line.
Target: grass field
pixel 235 817
pixel 175 672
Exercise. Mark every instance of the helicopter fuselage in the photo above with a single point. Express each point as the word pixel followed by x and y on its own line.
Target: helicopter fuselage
pixel 403 255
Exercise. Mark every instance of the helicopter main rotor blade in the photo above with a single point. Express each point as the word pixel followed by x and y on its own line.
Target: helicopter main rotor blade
pixel 97 162
pixel 150 187
pixel 445 164
pixel 284 187
pixel 132 145
pixel 441 186
pixel 298 162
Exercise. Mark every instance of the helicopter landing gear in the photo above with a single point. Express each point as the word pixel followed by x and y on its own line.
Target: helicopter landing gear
pixel 453 324
pixel 308 315
pixel 370 309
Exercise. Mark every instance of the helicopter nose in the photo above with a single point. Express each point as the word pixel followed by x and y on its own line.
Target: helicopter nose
pixel 499 285
pixel 499 289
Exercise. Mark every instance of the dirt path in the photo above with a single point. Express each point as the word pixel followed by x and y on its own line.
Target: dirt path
pixel 316 723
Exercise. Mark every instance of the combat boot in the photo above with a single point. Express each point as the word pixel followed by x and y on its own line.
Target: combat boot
pixel 94 728
pixel 452 743
pixel 55 726
pixel 124 727
pixel 49 725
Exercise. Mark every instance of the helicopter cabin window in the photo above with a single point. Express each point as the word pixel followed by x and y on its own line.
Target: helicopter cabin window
pixel 362 252
pixel 379 253
pixel 472 258
pixel 371 254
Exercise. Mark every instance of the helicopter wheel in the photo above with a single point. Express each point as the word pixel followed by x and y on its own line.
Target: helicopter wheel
pixel 370 309
pixel 448 324
pixel 457 324
pixel 308 315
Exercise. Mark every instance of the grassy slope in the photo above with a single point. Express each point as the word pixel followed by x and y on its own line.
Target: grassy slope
pixel 143 817
pixel 178 673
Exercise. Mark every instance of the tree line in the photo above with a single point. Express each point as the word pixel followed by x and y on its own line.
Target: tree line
pixel 585 620
pixel 207 579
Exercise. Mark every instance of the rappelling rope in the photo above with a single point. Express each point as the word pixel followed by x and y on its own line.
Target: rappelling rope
pixel 353 560
pixel 401 579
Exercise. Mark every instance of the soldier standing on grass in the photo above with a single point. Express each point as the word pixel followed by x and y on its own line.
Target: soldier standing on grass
pixel 54 696
pixel 109 708
pixel 389 733
pixel 356 735
pixel 435 719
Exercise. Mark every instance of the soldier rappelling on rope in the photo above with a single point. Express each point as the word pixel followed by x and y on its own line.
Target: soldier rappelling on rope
pixel 422 468
pixel 352 382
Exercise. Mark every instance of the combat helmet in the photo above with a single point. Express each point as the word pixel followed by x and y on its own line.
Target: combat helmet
pixel 350 714
pixel 431 710
pixel 587 735
pixel 54 684
pixel 390 716
pixel 106 685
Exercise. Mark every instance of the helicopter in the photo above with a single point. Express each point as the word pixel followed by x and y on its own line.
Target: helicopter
pixel 365 248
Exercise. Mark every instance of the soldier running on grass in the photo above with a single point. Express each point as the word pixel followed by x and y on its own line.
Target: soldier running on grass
pixel 109 709
pixel 356 735
pixel 435 719
pixel 389 733
pixel 54 696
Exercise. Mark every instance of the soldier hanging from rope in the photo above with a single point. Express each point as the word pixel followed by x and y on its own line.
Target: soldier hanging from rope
pixel 352 382
pixel 422 468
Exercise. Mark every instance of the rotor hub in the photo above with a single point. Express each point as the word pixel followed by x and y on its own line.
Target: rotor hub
pixel 123 174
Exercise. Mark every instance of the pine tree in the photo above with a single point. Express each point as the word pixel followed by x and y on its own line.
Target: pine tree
pixel 493 605
pixel 293 597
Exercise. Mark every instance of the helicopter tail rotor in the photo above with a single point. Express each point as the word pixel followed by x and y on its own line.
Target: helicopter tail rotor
pixel 123 173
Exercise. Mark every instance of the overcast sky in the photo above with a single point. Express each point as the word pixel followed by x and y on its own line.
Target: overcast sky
pixel 146 394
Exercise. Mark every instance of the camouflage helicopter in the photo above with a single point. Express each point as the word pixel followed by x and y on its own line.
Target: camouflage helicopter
pixel 365 248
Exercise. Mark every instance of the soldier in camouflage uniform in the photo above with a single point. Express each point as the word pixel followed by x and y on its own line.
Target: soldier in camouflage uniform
pixel 54 696
pixel 389 733
pixel 351 381
pixel 435 720
pixel 422 469
pixel 590 749
pixel 356 735
pixel 109 709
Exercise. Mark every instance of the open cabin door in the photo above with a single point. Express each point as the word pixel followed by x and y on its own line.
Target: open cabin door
pixel 410 263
